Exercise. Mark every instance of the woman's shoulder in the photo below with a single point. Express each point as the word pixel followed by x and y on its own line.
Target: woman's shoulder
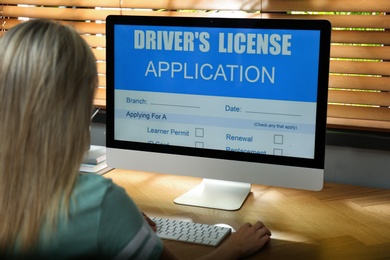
pixel 93 180
pixel 90 181
pixel 91 189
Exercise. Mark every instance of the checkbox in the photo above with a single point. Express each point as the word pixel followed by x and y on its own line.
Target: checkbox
pixel 199 132
pixel 278 139
pixel 278 151
pixel 199 145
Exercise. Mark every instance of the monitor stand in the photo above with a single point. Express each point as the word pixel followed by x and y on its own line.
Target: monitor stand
pixel 216 194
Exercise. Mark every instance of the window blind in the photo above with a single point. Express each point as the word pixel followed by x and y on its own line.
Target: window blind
pixel 359 86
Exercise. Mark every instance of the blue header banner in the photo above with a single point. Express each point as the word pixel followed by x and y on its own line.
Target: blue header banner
pixel 271 64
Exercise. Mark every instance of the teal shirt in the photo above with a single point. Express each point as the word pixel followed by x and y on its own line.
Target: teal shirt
pixel 103 223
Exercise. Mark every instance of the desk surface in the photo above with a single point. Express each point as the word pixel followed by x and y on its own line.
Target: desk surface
pixel 339 222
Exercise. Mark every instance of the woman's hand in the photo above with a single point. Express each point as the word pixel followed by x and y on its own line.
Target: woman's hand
pixel 245 242
pixel 250 238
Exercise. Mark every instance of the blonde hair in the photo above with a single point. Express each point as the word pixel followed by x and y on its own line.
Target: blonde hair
pixel 47 81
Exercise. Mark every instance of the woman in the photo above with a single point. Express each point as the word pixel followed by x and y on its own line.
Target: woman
pixel 48 77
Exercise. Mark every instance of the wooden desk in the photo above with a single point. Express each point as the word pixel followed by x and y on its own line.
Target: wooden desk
pixel 339 222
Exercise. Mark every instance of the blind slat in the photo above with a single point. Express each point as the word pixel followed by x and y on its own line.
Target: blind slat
pixel 101 67
pixel 196 5
pixel 328 6
pixel 360 67
pixel 358 82
pixel 100 93
pixel 99 102
pixel 265 6
pixel 348 123
pixel 74 14
pixel 361 52
pixel 95 41
pixel 155 4
pixel 100 97
pixel 56 13
pixel 100 54
pixel 361 37
pixel 9 23
pixel 82 27
pixel 358 112
pixel 88 27
pixel 102 83
pixel 84 3
pixel 342 21
pixel 359 97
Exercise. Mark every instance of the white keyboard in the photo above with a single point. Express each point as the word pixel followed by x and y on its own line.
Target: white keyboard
pixel 185 231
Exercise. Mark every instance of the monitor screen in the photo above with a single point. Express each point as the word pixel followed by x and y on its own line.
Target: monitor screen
pixel 230 99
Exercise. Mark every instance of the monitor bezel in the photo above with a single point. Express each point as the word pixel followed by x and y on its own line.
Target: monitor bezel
pixel 323 26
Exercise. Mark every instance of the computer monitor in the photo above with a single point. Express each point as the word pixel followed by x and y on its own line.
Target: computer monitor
pixel 235 101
